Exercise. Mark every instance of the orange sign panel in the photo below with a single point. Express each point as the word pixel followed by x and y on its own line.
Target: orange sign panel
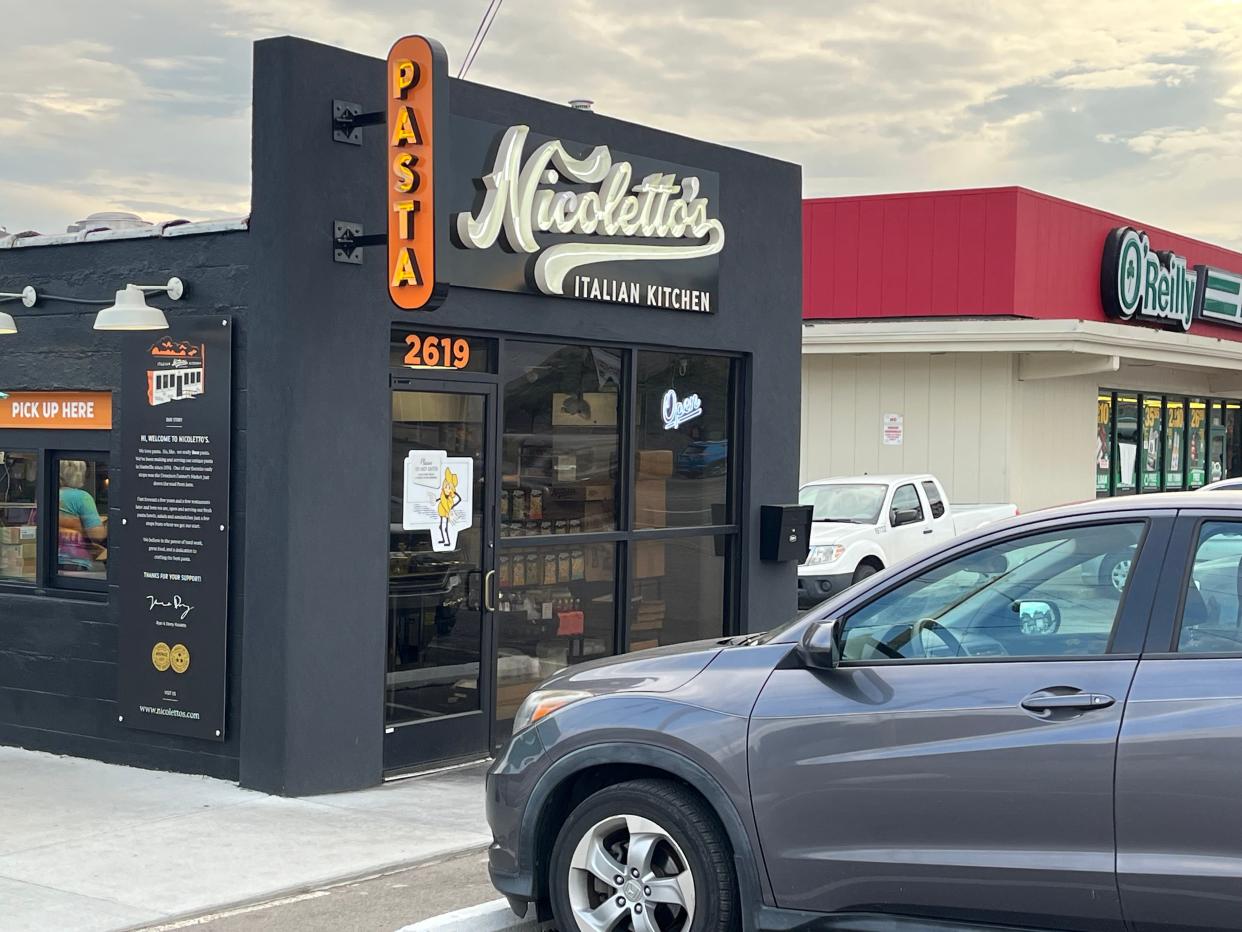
pixel 59 410
pixel 417 82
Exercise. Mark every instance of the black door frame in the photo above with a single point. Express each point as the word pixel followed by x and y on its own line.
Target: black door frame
pixel 466 735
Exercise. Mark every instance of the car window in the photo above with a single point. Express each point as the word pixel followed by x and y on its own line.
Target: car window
pixel 849 502
pixel 907 499
pixel 1212 611
pixel 934 500
pixel 1052 594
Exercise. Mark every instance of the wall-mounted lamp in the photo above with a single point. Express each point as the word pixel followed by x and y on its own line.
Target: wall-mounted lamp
pixel 28 297
pixel 130 311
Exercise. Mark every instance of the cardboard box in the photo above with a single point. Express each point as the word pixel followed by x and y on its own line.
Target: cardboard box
pixel 650 503
pixel 599 564
pixel 649 559
pixel 18 534
pixel 18 560
pixel 510 695
pixel 19 551
pixel 655 464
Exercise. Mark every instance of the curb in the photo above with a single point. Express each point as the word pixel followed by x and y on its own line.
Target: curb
pixel 187 918
pixel 495 916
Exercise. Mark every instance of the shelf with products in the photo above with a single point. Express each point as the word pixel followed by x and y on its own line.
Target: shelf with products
pixel 528 510
pixel 556 607
pixel 544 629
pixel 550 565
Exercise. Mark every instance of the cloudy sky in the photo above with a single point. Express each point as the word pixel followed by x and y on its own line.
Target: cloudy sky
pixel 1132 106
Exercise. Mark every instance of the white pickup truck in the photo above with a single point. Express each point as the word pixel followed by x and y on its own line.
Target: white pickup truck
pixel 864 523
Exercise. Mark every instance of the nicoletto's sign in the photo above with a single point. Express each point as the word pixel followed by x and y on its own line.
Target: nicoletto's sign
pixel 1139 283
pixel 515 210
pixel 611 217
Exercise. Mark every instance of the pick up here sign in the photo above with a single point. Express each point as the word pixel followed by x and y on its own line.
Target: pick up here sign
pixel 57 410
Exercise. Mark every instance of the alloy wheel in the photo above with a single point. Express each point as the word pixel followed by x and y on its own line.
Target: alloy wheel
pixel 627 873
pixel 1120 573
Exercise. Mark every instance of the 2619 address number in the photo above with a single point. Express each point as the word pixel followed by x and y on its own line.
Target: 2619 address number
pixel 437 352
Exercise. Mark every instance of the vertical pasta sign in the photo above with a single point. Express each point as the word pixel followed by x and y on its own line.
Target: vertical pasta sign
pixel 417 121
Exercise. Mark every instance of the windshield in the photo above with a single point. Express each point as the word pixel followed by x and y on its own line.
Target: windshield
pixel 849 502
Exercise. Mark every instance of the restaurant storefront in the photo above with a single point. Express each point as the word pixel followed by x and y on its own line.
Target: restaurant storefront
pixel 1031 350
pixel 367 489
pixel 586 494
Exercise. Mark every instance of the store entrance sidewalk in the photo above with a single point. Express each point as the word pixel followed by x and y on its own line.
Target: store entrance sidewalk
pixel 91 846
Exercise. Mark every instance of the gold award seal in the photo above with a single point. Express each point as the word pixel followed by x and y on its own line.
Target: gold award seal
pixel 179 657
pixel 159 656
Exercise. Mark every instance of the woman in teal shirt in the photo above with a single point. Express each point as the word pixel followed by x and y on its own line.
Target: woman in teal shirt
pixel 82 531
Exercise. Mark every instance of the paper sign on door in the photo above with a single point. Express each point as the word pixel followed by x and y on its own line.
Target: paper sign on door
pixel 439 496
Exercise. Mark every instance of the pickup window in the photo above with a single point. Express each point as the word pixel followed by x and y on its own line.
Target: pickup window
pixel 934 500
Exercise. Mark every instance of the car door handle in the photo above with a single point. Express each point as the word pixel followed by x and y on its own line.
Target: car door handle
pixel 1044 701
pixel 928 530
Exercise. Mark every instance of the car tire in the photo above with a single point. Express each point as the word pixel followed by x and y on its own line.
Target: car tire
pixel 682 847
pixel 864 570
pixel 1115 570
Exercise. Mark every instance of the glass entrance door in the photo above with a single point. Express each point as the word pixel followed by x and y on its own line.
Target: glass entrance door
pixel 437 689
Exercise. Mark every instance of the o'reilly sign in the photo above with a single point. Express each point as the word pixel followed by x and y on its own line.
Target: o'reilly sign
pixel 1139 283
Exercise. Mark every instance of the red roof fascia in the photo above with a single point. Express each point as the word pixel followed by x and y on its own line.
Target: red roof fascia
pixel 969 253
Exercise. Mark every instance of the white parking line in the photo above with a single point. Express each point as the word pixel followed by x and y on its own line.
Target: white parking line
pixel 495 916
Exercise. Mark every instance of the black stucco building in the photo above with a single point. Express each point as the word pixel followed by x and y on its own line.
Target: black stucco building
pixel 428 511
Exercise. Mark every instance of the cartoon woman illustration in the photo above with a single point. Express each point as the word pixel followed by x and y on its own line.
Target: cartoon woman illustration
pixel 449 499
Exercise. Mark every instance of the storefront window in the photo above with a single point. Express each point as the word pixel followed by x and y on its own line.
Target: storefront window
pixel 555 607
pixel 1174 441
pixel 557 594
pixel 82 524
pixel 561 439
pixel 678 590
pixel 685 421
pixel 1233 432
pixel 1127 449
pixel 1216 442
pixel 1103 442
pixel 1153 442
pixel 19 541
pixel 1196 444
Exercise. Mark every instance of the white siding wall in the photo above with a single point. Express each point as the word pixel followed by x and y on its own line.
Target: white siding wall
pixel 1052 443
pixel 957 409
pixel 968 420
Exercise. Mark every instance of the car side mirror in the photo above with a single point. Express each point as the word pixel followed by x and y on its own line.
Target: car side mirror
pixel 899 516
pixel 1037 616
pixel 820 646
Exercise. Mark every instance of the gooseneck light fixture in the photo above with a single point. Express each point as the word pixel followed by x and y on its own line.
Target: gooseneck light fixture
pixel 28 298
pixel 130 311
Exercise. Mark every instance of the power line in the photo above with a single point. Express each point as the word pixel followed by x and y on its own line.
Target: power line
pixel 485 24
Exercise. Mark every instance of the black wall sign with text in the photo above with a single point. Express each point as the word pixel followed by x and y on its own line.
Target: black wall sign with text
pixel 638 230
pixel 174 504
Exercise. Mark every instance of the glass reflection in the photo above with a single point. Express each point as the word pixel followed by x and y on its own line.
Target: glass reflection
pixel 685 417
pixel 678 591
pixel 561 440
pixel 555 608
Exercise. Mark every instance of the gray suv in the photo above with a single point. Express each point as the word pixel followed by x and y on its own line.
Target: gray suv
pixel 992 734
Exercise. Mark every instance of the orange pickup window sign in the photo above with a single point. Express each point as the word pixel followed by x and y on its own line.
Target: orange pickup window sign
pixel 57 410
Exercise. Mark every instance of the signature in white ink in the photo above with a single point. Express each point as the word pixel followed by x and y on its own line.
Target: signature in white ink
pixel 177 605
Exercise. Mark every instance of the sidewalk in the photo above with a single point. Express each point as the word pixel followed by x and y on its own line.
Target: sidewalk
pixel 89 846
